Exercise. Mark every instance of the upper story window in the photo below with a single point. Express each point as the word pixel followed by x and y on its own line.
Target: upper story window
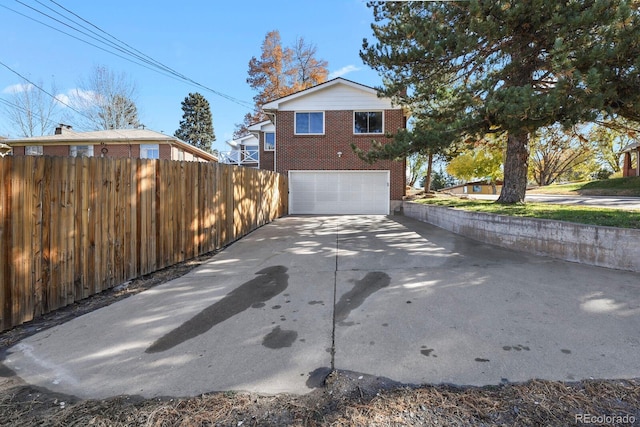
pixel 368 122
pixel 33 150
pixel 149 151
pixel 310 123
pixel 269 141
pixel 81 151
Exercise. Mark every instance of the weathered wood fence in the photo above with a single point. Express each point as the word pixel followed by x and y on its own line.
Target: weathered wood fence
pixel 73 227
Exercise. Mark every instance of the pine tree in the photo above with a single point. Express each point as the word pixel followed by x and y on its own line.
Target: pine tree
pixel 196 126
pixel 473 68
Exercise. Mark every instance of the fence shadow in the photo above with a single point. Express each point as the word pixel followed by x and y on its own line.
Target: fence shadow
pixel 73 227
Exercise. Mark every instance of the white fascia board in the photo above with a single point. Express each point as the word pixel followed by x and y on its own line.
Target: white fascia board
pixel 274 105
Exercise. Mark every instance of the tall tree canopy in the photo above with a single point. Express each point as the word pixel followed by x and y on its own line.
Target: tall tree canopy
pixel 555 151
pixel 507 67
pixel 610 137
pixel 280 72
pixel 107 100
pixel 31 112
pixel 196 126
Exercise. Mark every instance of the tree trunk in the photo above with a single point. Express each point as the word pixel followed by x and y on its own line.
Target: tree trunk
pixel 427 178
pixel 516 164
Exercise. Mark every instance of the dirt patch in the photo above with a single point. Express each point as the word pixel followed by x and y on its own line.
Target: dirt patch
pixel 342 398
pixel 345 400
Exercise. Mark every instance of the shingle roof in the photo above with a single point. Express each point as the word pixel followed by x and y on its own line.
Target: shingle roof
pixel 116 135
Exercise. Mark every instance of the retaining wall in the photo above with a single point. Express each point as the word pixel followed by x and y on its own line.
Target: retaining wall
pixel 609 247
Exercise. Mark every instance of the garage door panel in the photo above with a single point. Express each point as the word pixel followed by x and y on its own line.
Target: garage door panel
pixel 339 192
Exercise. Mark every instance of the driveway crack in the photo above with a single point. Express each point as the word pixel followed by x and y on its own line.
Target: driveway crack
pixel 333 317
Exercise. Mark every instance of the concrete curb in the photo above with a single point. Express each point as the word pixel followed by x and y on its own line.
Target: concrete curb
pixel 609 247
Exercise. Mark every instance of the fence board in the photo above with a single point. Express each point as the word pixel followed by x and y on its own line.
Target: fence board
pixel 5 243
pixel 72 227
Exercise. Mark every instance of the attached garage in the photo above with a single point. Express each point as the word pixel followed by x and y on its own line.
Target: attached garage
pixel 338 192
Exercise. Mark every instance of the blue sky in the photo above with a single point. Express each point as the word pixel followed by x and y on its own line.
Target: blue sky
pixel 210 42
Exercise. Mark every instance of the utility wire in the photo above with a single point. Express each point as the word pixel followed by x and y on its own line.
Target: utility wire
pixel 132 49
pixel 14 106
pixel 85 41
pixel 128 52
pixel 45 91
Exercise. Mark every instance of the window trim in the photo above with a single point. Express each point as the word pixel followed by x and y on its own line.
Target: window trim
pixel 273 148
pixel 73 150
pixel 146 148
pixel 38 148
pixel 367 133
pixel 295 123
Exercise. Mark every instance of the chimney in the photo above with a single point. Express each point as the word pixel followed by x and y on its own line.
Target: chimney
pixel 61 128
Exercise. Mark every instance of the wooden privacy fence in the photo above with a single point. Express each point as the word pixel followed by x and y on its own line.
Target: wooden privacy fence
pixel 73 227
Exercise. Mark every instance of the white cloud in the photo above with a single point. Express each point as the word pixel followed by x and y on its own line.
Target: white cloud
pixel 63 99
pixel 17 88
pixel 78 98
pixel 342 71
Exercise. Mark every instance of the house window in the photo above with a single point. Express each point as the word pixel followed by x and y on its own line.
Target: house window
pixel 310 123
pixel 81 151
pixel 269 141
pixel 367 122
pixel 33 150
pixel 149 151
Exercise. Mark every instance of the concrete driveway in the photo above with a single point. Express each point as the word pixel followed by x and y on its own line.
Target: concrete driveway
pixel 384 296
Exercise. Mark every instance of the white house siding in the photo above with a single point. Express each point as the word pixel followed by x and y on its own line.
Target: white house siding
pixel 337 97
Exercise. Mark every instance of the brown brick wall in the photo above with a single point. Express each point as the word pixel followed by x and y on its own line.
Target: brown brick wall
pixel 319 152
pixel 118 151
pixel 165 151
pixel 267 158
pixel 18 151
pixel 56 150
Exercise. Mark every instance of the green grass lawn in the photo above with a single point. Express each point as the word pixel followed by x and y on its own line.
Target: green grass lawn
pixel 580 214
pixel 607 187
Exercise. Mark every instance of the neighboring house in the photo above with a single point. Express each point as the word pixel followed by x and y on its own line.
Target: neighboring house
pixel 129 143
pixel 631 161
pixel 475 187
pixel 244 152
pixel 308 137
pixel 4 148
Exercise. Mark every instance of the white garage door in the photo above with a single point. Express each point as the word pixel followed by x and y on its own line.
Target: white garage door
pixel 339 192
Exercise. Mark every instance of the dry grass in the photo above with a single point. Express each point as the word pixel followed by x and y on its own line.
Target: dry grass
pixel 535 403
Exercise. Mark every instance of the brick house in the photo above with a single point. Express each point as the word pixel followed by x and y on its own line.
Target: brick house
pixel 243 152
pixel 308 137
pixel 128 143
pixel 631 160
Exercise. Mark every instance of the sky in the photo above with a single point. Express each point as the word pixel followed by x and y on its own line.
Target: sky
pixel 209 42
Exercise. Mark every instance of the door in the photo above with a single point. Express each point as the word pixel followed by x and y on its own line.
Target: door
pixel 339 192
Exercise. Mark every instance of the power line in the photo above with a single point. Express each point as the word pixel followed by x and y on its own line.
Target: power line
pixel 127 51
pixel 14 106
pixel 45 91
pixel 85 41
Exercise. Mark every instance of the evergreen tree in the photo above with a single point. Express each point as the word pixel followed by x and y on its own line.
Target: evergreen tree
pixel 196 126
pixel 507 67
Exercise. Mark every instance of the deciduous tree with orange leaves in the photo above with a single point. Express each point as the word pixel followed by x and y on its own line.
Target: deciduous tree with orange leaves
pixel 280 72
